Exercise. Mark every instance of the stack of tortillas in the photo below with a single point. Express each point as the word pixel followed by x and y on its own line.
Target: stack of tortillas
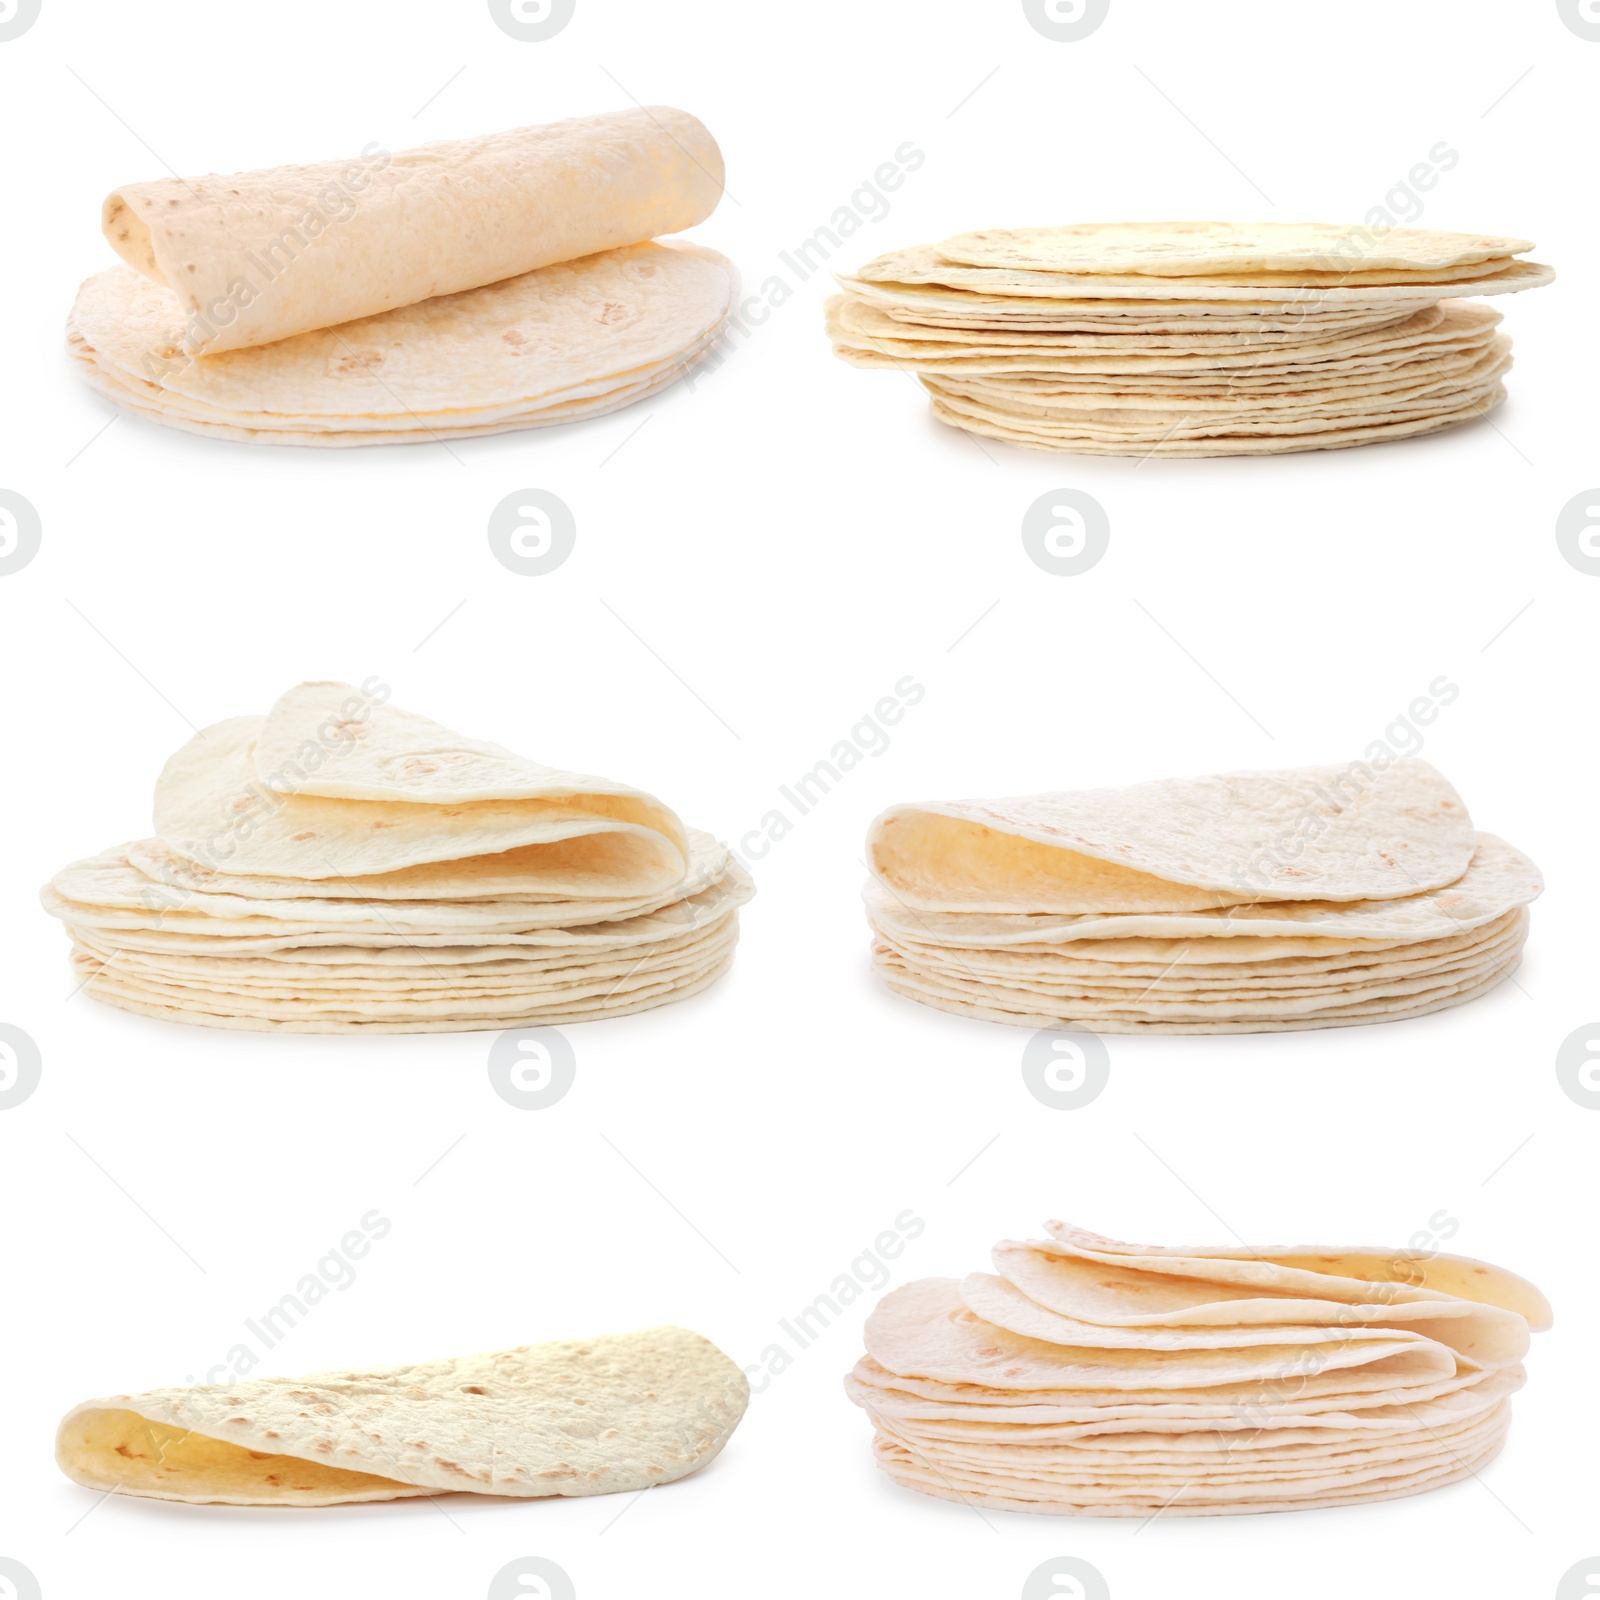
pixel 468 287
pixel 1092 1378
pixel 1191 338
pixel 341 865
pixel 581 1416
pixel 1246 903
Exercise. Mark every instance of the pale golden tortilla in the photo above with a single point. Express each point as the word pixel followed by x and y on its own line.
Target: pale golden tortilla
pixel 1310 833
pixel 1190 339
pixel 560 342
pixel 1250 902
pixel 1392 1374
pixel 430 221
pixel 577 1417
pixel 341 865
pixel 1182 249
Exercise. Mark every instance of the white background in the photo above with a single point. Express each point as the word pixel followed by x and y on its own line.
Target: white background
pixel 755 567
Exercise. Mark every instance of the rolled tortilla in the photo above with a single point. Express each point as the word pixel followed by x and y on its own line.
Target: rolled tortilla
pixel 258 256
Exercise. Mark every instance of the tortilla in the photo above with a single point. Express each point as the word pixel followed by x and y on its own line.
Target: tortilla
pixel 454 290
pixel 1191 339
pixel 341 865
pixel 430 221
pixel 1248 902
pixel 1207 1381
pixel 1186 249
pixel 1354 836
pixel 606 1415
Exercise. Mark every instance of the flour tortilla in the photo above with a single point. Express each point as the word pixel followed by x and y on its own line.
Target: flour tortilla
pixel 538 1012
pixel 1243 398
pixel 1005 1303
pixel 1181 844
pixel 1098 1378
pixel 924 1330
pixel 558 342
pixel 930 304
pixel 392 967
pixel 1497 881
pixel 423 980
pixel 1218 1461
pixel 107 892
pixel 922 264
pixel 321 433
pixel 1186 974
pixel 585 1416
pixel 1087 1004
pixel 563 994
pixel 862 323
pixel 1283 1449
pixel 1181 249
pixel 1136 421
pixel 340 922
pixel 216 806
pixel 865 336
pixel 999 1495
pixel 193 933
pixel 990 1413
pixel 1260 902
pixel 1036 1014
pixel 369 870
pixel 587 866
pixel 382 752
pixel 1349 1270
pixel 1190 340
pixel 427 222
pixel 1096 1290
pixel 977 1488
pixel 1332 438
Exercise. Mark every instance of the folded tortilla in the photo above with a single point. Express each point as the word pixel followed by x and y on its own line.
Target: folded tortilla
pixel 331 783
pixel 1181 844
pixel 574 1417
